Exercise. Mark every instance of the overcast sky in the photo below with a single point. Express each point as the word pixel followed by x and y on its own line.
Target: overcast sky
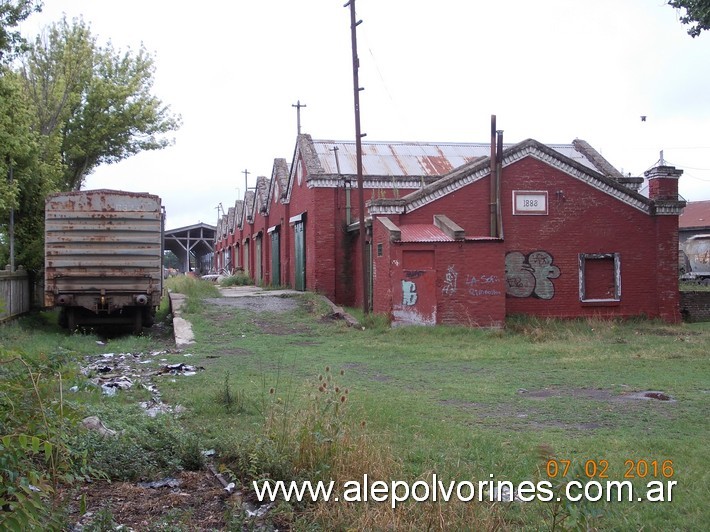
pixel 552 70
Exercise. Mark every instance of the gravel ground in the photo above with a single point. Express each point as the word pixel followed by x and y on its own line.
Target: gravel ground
pixel 261 303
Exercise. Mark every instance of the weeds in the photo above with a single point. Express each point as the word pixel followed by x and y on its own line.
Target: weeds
pixel 144 447
pixel 233 402
pixel 36 454
pixel 192 287
pixel 238 279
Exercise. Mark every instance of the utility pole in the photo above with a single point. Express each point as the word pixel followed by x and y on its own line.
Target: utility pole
pixel 298 106
pixel 358 147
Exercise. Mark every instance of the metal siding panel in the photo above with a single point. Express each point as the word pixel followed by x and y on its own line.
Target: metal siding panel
pixel 102 239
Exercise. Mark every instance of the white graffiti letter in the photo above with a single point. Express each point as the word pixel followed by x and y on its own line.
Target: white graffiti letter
pixel 409 293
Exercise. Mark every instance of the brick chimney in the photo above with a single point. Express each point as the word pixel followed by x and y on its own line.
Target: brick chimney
pixel 663 183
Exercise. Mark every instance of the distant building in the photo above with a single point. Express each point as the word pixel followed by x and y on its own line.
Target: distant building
pixel 562 234
pixel 694 220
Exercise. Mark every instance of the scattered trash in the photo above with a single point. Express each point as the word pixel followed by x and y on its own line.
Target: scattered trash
pixel 165 482
pixel 121 383
pixel 112 372
pixel 74 389
pixel 503 494
pixel 34 488
pixel 257 512
pixel 209 452
pixel 99 342
pixel 180 369
pixel 95 424
pixel 230 487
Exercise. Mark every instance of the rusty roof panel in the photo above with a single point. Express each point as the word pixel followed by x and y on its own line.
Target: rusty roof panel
pixel 423 233
pixel 403 159
pixel 398 158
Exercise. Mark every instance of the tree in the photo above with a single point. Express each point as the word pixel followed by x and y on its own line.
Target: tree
pixel 33 177
pixel 11 14
pixel 68 106
pixel 94 102
pixel 697 12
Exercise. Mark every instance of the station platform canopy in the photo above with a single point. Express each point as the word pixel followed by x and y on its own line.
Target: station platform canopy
pixel 193 245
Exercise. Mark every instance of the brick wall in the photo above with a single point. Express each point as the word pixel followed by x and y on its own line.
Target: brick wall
pixel 695 305
pixel 581 220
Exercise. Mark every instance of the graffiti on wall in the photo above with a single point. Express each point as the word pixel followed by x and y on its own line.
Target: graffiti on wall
pixel 482 285
pixel 450 281
pixel 478 285
pixel 529 275
pixel 409 293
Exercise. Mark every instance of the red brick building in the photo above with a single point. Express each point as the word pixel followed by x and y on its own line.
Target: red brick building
pixel 551 230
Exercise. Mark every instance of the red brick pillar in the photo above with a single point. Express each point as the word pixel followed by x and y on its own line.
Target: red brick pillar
pixel 666 207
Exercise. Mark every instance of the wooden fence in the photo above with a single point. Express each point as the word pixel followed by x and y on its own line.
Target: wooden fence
pixel 14 294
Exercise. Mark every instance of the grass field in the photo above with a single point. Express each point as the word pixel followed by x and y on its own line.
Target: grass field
pixel 460 403
pixel 465 403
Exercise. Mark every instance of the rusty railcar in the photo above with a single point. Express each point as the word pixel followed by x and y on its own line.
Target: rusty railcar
pixel 104 257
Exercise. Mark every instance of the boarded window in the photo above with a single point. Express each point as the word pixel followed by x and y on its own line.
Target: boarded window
pixel 600 277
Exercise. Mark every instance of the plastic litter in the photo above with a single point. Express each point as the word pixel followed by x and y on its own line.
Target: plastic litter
pixel 162 483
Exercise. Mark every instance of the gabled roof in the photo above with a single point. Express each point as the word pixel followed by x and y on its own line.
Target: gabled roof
pixel 696 215
pixel 479 169
pixel 238 213
pixel 279 180
pixel 230 220
pixel 261 193
pixel 249 207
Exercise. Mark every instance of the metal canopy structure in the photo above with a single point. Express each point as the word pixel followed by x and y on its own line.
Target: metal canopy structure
pixel 194 245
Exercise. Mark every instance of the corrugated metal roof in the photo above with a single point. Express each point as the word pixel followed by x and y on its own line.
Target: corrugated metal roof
pixel 413 158
pixel 568 150
pixel 398 158
pixel 423 233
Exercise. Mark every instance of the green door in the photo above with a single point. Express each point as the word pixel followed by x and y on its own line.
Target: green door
pixel 257 259
pixel 300 240
pixel 275 258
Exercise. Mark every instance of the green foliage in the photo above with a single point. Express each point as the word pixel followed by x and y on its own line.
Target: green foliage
pixel 194 288
pixel 32 177
pixel 143 449
pixel 232 401
pixel 36 453
pixel 697 13
pixel 67 106
pixel 96 101
pixel 11 14
pixel 238 279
